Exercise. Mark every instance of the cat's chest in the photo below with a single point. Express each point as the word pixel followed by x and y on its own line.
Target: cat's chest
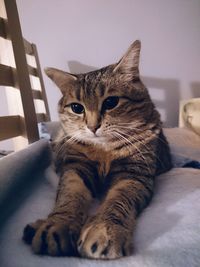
pixel 103 158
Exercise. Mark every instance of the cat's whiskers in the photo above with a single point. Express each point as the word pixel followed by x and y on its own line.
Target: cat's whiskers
pixel 146 147
pixel 127 123
pixel 121 138
pixel 130 125
pixel 60 144
pixel 129 128
pixel 71 140
pixel 121 135
pixel 142 143
pixel 121 124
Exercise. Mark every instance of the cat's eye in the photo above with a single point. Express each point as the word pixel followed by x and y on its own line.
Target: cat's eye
pixel 77 108
pixel 110 102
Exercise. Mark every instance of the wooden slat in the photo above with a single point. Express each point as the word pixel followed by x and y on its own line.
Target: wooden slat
pixel 2 28
pixel 37 94
pixel 44 96
pixel 41 117
pixel 22 74
pixel 28 47
pixel 32 71
pixel 6 76
pixel 10 126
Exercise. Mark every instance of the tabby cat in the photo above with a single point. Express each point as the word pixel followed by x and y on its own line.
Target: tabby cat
pixel 111 147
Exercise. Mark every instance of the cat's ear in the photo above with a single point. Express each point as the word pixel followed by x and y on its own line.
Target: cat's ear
pixel 129 64
pixel 61 78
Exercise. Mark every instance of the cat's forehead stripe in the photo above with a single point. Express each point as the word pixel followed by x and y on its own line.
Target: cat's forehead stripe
pixel 90 87
pixel 101 89
pixel 78 93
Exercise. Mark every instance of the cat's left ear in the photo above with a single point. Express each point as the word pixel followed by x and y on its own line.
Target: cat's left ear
pixel 61 78
pixel 129 64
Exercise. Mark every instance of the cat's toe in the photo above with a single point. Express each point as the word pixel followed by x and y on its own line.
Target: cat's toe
pixel 50 238
pixel 101 242
pixel 28 234
pixel 94 242
pixel 30 230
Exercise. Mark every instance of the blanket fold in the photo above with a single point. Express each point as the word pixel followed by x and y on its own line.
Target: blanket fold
pixel 15 170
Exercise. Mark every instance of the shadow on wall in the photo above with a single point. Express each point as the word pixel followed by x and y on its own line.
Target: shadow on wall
pixel 195 87
pixel 77 67
pixel 165 93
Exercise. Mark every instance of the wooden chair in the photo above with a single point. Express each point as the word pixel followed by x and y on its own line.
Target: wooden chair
pixel 19 65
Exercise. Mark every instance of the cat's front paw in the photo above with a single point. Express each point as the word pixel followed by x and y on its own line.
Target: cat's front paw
pixel 104 240
pixel 48 237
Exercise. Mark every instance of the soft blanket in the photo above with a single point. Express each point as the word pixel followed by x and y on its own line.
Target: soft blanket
pixel 167 232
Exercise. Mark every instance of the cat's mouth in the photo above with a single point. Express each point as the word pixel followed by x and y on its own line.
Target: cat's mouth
pixel 94 138
pixel 89 137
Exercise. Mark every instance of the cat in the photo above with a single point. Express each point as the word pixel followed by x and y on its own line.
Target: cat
pixel 111 147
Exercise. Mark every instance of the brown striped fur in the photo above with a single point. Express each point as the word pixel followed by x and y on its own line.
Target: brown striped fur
pixel 113 154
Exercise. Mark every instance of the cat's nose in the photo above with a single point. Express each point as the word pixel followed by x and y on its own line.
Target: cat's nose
pixel 93 121
pixel 93 128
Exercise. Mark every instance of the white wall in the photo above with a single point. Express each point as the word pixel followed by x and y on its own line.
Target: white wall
pixel 4 145
pixel 97 33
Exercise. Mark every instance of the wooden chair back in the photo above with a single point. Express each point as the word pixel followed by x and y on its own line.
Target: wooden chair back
pixel 19 66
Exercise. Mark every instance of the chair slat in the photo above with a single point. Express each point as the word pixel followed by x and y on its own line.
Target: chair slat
pixel 6 76
pixel 28 47
pixel 41 117
pixel 36 94
pixel 2 28
pixel 32 71
pixel 44 96
pixel 10 127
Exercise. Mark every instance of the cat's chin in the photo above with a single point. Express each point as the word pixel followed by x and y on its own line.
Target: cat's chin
pixel 99 141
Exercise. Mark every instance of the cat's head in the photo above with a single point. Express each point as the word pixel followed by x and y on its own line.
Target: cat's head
pixel 104 105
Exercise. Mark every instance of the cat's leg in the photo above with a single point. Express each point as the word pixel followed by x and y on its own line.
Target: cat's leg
pixel 57 235
pixel 108 234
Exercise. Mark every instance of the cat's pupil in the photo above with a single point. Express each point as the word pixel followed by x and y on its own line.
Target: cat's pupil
pixel 110 102
pixel 77 108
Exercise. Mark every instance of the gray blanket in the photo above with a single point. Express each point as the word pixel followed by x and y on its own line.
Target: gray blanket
pixel 167 232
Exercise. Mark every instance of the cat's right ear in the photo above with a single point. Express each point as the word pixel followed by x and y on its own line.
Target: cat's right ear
pixel 61 78
pixel 128 66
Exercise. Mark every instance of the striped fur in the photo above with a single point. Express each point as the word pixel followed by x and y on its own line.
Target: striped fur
pixel 113 154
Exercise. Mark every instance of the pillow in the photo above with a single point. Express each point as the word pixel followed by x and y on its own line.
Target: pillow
pixel 49 130
pixel 184 145
pixel 190 114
